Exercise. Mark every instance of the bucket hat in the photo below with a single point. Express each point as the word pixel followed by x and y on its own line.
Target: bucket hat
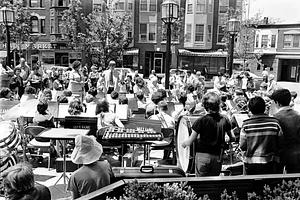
pixel 87 150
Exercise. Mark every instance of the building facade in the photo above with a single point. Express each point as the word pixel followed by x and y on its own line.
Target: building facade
pixel 279 47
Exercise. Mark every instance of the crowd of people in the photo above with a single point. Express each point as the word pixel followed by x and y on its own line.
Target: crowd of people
pixel 269 137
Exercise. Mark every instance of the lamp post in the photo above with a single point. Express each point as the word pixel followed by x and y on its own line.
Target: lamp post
pixel 7 17
pixel 233 27
pixel 169 14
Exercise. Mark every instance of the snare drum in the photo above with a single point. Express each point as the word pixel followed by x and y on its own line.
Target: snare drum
pixel 9 138
pixel 185 156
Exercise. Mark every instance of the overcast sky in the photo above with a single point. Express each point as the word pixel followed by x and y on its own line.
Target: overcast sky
pixel 288 11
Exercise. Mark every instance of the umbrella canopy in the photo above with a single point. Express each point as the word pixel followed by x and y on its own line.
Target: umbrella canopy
pixel 26 109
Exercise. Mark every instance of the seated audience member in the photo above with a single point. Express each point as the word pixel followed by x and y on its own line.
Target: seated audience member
pixel 105 118
pixel 240 101
pixel 293 97
pixel 35 78
pixel 42 116
pixel 75 107
pixel 6 94
pixel 91 96
pixel 151 108
pixel 140 86
pixel 114 97
pixel 16 83
pixel 289 120
pixel 46 95
pixel 29 94
pixel 141 100
pixel 259 137
pixel 19 184
pixel 93 174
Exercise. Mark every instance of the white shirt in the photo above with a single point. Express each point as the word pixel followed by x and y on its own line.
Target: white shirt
pixel 166 120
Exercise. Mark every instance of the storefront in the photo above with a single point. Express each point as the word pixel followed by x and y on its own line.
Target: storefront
pixel 131 58
pixel 289 68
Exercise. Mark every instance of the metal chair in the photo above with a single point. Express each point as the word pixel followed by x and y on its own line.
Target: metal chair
pixel 31 133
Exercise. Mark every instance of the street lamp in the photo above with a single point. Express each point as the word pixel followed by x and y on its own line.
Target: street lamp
pixel 7 17
pixel 169 14
pixel 233 27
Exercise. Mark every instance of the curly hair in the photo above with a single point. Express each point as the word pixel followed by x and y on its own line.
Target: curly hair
pixel 102 106
pixel 75 107
pixel 211 102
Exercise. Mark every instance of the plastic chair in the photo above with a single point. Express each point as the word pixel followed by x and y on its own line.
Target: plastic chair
pixel 31 133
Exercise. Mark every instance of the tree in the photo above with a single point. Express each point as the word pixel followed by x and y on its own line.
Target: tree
pixel 108 32
pixel 20 31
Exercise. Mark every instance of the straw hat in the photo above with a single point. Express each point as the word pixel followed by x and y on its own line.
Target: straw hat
pixel 87 150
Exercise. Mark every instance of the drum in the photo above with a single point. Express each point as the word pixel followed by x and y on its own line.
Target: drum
pixel 9 138
pixel 185 156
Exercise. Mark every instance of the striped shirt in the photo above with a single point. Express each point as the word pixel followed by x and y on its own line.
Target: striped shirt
pixel 260 139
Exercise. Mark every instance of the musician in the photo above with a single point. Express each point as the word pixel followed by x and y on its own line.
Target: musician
pixel 19 184
pixel 105 118
pixel 212 129
pixel 111 77
pixel 259 137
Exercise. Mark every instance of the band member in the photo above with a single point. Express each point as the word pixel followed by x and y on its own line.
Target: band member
pixel 212 129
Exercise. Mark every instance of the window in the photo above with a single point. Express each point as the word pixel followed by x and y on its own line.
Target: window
pixel 210 6
pixel 264 41
pixel 42 25
pixel 199 33
pixel 34 24
pixel 52 3
pixel 129 34
pixel 209 33
pixel 143 5
pixel 36 3
pixel 130 6
pixel 120 5
pixel 59 25
pixel 143 32
pixel 224 5
pixel 200 5
pixel 296 40
pixel 257 41
pixel 152 32
pixel 190 8
pixel 152 6
pixel 41 4
pixel 273 40
pixel 292 41
pixel 52 26
pixel 188 36
pixel 221 34
pixel 62 3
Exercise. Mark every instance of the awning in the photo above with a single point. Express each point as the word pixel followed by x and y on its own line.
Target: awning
pixel 184 52
pixel 131 52
pixel 3 54
pixel 297 57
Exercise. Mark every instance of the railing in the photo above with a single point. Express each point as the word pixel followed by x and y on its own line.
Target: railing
pixel 213 186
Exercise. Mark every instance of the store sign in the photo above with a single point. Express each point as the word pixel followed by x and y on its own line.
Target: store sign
pixel 27 45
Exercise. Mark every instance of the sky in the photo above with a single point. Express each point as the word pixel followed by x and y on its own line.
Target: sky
pixel 288 11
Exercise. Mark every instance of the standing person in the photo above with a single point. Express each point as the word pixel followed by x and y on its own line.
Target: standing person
pixel 212 129
pixel 25 70
pixel 129 84
pixel 76 79
pixel 58 86
pixel 16 82
pixel 35 79
pixel 93 77
pixel 94 174
pixel 272 84
pixel 289 120
pixel 19 184
pixel 111 77
pixel 260 139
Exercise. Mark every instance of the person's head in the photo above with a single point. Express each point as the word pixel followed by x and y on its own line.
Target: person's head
pixel 154 80
pixel 87 150
pixel 140 96
pixel 18 180
pixel 281 97
pixel 47 94
pixel 156 97
pixel 30 90
pixel 263 86
pixel 22 61
pixel 42 107
pixel 112 64
pixel 5 93
pixel 182 97
pixel 94 68
pixel 139 82
pixel 271 77
pixel 211 102
pixel 35 69
pixel 129 78
pixel 257 105
pixel 114 95
pixel 76 65
pixel 75 107
pixel 189 72
pixel 67 93
pixel 162 106
pixel 17 71
pixel 163 93
pixel 89 98
pixel 102 106
pixel 190 88
pixel 93 91
pixel 123 100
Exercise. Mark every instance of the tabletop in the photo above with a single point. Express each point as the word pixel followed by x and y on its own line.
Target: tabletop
pixel 62 133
